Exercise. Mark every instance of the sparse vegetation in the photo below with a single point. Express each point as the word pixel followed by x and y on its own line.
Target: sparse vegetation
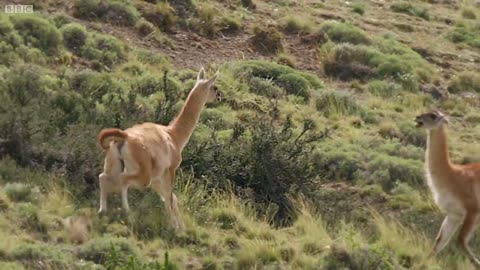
pixel 410 9
pixel 465 82
pixel 267 39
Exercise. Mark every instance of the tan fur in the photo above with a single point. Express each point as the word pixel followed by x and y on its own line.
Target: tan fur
pixel 77 229
pixel 455 188
pixel 151 153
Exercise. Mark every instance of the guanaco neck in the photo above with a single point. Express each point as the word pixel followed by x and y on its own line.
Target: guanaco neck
pixel 437 157
pixel 181 128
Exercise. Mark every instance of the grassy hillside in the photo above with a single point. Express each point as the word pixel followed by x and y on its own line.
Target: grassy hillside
pixel 311 161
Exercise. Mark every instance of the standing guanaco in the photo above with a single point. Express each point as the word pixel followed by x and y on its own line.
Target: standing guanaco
pixel 455 188
pixel 148 154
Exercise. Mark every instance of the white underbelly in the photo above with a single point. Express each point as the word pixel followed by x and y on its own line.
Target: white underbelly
pixel 444 199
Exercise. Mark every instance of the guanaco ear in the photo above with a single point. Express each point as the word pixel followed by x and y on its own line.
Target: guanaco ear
pixel 212 81
pixel 201 74
pixel 445 119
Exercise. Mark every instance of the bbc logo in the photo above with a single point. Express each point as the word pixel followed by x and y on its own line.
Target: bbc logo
pixel 18 8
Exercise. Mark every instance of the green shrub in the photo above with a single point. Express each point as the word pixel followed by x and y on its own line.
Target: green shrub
pixel 294 84
pixel 230 24
pixel 286 59
pixel 388 170
pixel 410 9
pixel 467 33
pixel 42 256
pixel 98 249
pixel 270 71
pixel 341 33
pixel 38 32
pixel 385 59
pixel 383 88
pixel 144 27
pixel 105 49
pixel 8 36
pixel 348 61
pixel 112 11
pixel 358 8
pixel 74 36
pixel 31 55
pixel 61 19
pixel 161 15
pixel 88 9
pixel 264 87
pixel 93 85
pixel 121 13
pixel 465 82
pixel 19 192
pixel 24 84
pixel 28 217
pixel 267 39
pixel 153 58
pixel 334 103
pixel 296 24
pixel 469 14
pixel 205 23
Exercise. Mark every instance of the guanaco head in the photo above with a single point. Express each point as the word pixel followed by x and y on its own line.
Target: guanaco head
pixel 208 85
pixel 431 120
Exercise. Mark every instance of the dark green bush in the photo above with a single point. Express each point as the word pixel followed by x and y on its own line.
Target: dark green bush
pixel 121 13
pixel 385 59
pixel 295 84
pixel 341 33
pixel 38 32
pixel 24 84
pixel 94 85
pixel 272 71
pixel 8 36
pixel 74 36
pixel 105 49
pixel 269 159
pixel 112 11
pixel 465 82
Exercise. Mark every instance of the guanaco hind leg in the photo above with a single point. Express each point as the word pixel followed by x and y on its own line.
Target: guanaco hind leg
pixel 466 232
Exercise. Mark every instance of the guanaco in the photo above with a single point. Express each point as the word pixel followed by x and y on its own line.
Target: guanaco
pixel 455 188
pixel 148 154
